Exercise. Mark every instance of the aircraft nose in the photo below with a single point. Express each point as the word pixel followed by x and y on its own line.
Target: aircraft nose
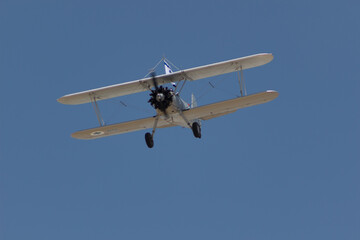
pixel 160 97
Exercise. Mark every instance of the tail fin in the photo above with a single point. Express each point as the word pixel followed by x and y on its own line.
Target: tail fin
pixel 193 101
pixel 168 70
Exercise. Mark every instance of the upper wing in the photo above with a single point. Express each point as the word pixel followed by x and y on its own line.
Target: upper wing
pixel 188 74
pixel 225 107
pixel 119 128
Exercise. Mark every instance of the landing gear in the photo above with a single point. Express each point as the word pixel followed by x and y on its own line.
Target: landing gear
pixel 196 129
pixel 149 140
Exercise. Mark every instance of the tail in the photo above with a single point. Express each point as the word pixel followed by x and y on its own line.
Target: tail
pixel 193 101
pixel 168 70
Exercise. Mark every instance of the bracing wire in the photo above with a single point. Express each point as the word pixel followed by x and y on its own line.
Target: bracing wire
pixel 152 69
pixel 167 60
pixel 162 59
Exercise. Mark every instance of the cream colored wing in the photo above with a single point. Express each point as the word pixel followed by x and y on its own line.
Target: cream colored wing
pixel 204 112
pixel 120 128
pixel 146 83
pixel 229 106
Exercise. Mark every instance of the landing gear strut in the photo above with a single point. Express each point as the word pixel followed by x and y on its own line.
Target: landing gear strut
pixel 149 137
pixel 196 129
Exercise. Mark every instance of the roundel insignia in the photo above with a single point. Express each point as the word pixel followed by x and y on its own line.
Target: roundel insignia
pixel 97 133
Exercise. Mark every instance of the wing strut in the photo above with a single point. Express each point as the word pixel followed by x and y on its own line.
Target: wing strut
pixel 96 108
pixel 241 82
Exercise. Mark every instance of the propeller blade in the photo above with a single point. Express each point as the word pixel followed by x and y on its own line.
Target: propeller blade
pixel 153 77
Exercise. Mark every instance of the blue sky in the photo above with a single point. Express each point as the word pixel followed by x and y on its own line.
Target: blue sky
pixel 288 169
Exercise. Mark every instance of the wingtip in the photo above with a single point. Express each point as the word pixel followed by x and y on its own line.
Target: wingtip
pixel 61 100
pixel 266 57
pixel 265 54
pixel 67 101
pixel 270 55
pixel 273 92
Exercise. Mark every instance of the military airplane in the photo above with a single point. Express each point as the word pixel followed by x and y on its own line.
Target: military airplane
pixel 171 110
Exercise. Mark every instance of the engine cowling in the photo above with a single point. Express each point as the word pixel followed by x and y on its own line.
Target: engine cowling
pixel 161 98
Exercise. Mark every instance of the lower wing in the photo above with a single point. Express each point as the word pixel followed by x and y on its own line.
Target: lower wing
pixel 204 113
pixel 225 107
pixel 120 128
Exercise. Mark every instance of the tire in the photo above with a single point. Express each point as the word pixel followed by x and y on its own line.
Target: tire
pixel 196 130
pixel 149 140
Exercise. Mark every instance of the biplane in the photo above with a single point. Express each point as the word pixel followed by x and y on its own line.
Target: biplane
pixel 171 109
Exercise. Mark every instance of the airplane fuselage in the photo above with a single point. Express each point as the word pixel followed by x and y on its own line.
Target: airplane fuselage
pixel 174 111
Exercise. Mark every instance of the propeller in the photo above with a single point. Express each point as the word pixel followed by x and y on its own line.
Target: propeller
pixel 153 78
pixel 160 97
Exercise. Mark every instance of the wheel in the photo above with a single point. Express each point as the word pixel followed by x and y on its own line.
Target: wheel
pixel 149 140
pixel 196 129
